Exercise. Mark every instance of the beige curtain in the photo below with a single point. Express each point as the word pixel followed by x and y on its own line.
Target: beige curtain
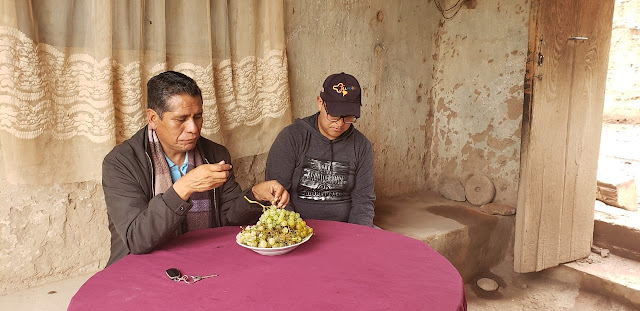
pixel 73 77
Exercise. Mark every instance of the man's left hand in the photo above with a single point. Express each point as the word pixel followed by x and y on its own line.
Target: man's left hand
pixel 271 191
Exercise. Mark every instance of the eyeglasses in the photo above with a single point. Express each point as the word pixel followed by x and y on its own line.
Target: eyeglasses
pixel 345 119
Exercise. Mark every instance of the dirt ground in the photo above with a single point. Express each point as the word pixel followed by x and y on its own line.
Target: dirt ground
pixel 534 291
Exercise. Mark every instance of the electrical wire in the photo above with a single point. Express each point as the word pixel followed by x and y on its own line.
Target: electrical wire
pixel 458 5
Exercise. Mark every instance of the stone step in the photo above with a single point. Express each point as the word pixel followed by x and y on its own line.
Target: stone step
pixel 612 276
pixel 471 240
pixel 617 230
pixel 51 296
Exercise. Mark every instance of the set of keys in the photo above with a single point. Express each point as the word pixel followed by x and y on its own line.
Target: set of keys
pixel 175 275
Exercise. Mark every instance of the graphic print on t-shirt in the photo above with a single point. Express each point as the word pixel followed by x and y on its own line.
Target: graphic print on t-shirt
pixel 323 180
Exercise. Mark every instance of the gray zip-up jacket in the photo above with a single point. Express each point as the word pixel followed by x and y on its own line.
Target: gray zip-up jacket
pixel 140 221
pixel 327 179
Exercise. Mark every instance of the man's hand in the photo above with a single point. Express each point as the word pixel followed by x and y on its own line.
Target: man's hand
pixel 202 178
pixel 271 191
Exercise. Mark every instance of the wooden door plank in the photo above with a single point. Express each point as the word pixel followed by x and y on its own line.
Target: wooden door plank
pixel 557 176
pixel 587 100
pixel 556 94
pixel 520 254
pixel 543 169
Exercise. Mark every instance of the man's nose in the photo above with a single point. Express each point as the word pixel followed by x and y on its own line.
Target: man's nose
pixel 191 126
pixel 340 122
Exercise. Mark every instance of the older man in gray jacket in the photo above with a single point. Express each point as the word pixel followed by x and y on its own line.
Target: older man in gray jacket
pixel 167 179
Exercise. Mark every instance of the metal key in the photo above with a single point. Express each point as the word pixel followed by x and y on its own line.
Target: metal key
pixel 197 278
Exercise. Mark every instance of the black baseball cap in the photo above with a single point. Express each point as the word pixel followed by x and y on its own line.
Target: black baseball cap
pixel 341 93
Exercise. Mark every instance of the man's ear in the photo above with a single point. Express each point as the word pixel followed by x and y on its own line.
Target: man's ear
pixel 319 100
pixel 152 118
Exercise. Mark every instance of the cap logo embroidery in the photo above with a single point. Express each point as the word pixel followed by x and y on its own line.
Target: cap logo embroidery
pixel 341 88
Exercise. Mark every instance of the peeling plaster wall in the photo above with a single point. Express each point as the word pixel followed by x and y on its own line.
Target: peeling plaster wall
pixel 439 99
pixel 388 47
pixel 50 232
pixel 477 96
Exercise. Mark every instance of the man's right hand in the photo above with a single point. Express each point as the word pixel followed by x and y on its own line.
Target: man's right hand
pixel 202 178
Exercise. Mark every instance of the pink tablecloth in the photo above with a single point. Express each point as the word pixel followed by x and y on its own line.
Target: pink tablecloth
pixel 342 267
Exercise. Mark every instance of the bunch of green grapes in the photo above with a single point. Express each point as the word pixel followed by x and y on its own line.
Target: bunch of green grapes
pixel 276 227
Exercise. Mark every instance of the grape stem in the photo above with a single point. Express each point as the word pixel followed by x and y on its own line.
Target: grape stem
pixel 256 202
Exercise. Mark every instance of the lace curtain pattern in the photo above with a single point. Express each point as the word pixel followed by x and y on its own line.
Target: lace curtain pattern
pixel 73 77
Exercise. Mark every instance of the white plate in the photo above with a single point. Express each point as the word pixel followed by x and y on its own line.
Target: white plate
pixel 276 250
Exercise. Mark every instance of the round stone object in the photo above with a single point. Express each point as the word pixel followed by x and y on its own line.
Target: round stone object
pixel 452 190
pixel 488 285
pixel 479 190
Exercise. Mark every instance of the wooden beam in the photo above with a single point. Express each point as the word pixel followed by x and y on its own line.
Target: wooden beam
pixel 620 193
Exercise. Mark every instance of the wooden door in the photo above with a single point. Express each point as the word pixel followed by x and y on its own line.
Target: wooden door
pixel 564 97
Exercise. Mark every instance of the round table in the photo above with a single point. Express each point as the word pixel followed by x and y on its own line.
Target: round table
pixel 342 267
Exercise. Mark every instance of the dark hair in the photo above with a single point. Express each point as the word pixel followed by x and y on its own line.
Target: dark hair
pixel 169 83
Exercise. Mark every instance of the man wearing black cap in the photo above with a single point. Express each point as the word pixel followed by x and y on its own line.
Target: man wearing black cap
pixel 324 162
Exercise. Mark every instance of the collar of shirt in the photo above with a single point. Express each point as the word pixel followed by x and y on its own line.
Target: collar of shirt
pixel 176 172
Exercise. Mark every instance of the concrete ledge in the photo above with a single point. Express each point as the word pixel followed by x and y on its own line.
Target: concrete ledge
pixel 471 240
pixel 613 276
pixel 51 296
pixel 617 230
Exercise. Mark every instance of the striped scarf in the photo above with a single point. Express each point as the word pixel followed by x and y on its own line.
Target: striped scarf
pixel 198 216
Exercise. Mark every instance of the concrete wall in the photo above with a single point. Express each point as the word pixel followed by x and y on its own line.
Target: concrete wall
pixel 477 96
pixel 439 100
pixel 50 232
pixel 388 46
pixel 622 99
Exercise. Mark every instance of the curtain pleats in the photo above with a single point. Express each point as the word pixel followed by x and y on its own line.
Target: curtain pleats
pixel 73 77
